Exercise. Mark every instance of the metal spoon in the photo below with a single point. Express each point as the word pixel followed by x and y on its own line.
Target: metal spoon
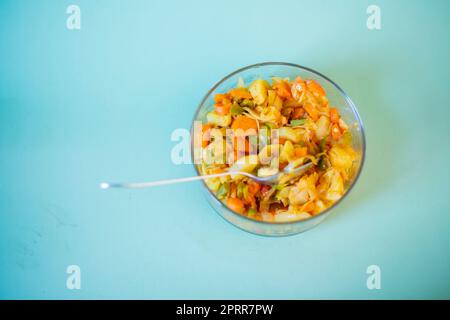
pixel 269 180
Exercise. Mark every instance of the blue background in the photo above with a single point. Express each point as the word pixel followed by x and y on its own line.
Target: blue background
pixel 78 107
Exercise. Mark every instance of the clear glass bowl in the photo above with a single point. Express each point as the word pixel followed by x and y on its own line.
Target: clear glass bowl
pixel 337 97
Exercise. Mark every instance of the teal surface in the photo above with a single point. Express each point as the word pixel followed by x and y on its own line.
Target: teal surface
pixel 78 107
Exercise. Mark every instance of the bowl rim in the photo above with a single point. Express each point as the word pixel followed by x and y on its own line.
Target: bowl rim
pixel 341 91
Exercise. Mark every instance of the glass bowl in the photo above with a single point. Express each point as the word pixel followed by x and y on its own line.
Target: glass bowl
pixel 337 98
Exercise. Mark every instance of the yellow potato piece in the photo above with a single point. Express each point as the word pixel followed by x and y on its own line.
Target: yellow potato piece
pixel 290 134
pixel 245 164
pixel 258 90
pixel 268 153
pixel 323 127
pixel 287 152
pixel 267 171
pixel 340 158
pixel 287 216
pixel 331 185
pixel 218 120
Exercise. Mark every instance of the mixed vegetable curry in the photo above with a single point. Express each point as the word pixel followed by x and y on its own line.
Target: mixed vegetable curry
pixel 262 128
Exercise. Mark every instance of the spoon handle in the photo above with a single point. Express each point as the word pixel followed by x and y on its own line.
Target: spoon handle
pixel 138 185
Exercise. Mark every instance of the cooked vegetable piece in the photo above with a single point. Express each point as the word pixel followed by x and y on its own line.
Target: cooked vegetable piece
pixel 236 205
pixel 244 123
pixel 267 171
pixel 258 90
pixel 268 153
pixel 312 111
pixel 222 104
pixel 323 128
pixel 218 119
pixel 335 132
pixel 298 122
pixel 245 164
pixel 298 113
pixel 223 190
pixel 206 135
pixel 340 158
pixel 290 134
pixel 300 152
pixel 334 115
pixel 236 109
pixel 283 90
pixel 315 87
pixel 240 93
pixel 287 152
pixel 254 187
pixel 247 103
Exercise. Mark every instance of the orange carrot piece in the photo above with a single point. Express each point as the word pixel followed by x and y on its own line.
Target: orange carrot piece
pixel 308 207
pixel 240 93
pixel 315 87
pixel 244 123
pixel 334 115
pixel 206 135
pixel 254 187
pixel 300 152
pixel 336 133
pixel 222 104
pixel 206 127
pixel 223 109
pixel 297 88
pixel 221 98
pixel 236 205
pixel 248 198
pixel 218 170
pixel 283 90
pixel 233 190
pixel 313 113
pixel 299 80
pixel 298 113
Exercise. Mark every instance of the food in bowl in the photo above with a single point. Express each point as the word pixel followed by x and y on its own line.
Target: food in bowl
pixel 264 127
